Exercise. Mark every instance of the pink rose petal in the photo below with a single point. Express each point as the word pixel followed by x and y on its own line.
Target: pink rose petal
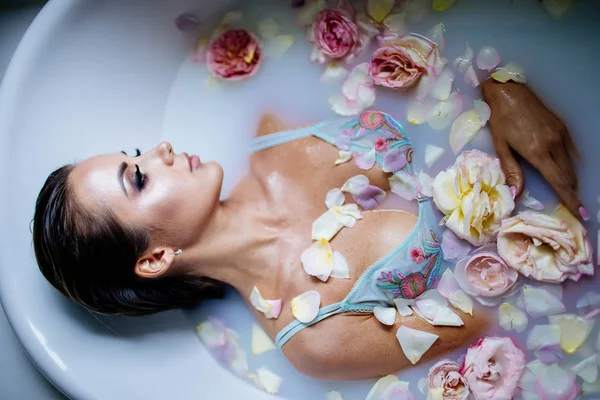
pixel 394 160
pixel 471 76
pixel 555 383
pixel 539 302
pixel 405 185
pixel 365 160
pixel 488 58
pixel 369 197
pixel 453 247
pixel 550 354
pixel 463 62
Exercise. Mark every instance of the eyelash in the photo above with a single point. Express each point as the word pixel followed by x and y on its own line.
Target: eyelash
pixel 140 179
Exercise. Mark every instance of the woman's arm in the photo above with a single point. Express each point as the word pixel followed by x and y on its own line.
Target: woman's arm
pixel 350 346
pixel 520 122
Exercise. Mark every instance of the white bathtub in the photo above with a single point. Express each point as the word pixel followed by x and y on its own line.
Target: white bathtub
pixel 92 74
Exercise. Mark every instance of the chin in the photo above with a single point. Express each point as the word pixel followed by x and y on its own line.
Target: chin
pixel 213 173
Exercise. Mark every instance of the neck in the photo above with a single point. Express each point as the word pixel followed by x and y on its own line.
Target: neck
pixel 241 235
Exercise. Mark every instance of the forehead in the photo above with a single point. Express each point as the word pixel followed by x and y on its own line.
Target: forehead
pixel 96 179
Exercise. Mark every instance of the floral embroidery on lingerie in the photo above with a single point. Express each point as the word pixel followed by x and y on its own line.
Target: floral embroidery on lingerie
pixel 413 284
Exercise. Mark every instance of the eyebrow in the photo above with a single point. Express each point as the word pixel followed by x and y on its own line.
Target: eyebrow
pixel 122 169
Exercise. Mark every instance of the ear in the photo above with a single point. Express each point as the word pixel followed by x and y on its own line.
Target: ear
pixel 155 263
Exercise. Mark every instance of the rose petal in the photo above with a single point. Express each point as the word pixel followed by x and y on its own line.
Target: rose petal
pixel 436 35
pixel 268 381
pixel 359 76
pixel 261 341
pixel 453 247
pixel 432 154
pixel 418 111
pixel 531 202
pixel 557 8
pixel 379 9
pixel 424 87
pixel 510 71
pixel 543 335
pixel 442 87
pixel 369 197
pixel 333 395
pixel 305 307
pixel 556 384
pixel 340 266
pixel 444 112
pixel 343 107
pixel 355 184
pixel 539 302
pixel 385 315
pixel 510 317
pixel 446 317
pixel 394 160
pixel 527 381
pixel 334 197
pixel 471 76
pixel 587 369
pixel 268 28
pixel 233 353
pixel 366 160
pixel 463 62
pixel 414 343
pixel 270 308
pixel 574 330
pixel 232 17
pixel 307 14
pixel 343 157
pixel 405 185
pixel 326 226
pixel 334 72
pixel 317 260
pixel 442 5
pixel 211 334
pixel 549 354
pixel 423 385
pixel 426 182
pixel 483 111
pixel 488 58
pixel 395 23
pixel 187 22
pixel 381 386
pixel 588 302
pixel 402 305
pixel 462 301
pixel 274 48
pixel 466 126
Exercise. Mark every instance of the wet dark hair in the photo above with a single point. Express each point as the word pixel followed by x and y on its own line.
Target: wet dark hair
pixel 89 256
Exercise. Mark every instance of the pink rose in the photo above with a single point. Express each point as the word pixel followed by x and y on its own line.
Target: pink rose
pixel 336 36
pixel 234 55
pixel 493 367
pixel 445 375
pixel 546 247
pixel 485 274
pixel 391 66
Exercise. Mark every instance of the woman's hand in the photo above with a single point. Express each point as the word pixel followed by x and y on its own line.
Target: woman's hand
pixel 520 122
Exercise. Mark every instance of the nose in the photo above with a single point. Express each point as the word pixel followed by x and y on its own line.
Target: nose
pixel 165 152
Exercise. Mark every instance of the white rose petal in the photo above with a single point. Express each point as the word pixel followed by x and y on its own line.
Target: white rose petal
pixel 343 157
pixel 385 315
pixel 415 343
pixel 543 335
pixel 334 197
pixel 587 369
pixel 510 71
pixel 305 307
pixel 402 305
pixel 268 381
pixel 317 260
pixel 210 334
pixel 432 154
pixel 355 184
pixel 540 302
pixel 270 308
pixel 510 317
pixel 261 341
pixel 340 266
pixel 334 72
pixel 333 395
pixel 268 28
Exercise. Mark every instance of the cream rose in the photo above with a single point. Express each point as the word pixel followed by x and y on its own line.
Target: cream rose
pixel 473 196
pixel 445 375
pixel 546 247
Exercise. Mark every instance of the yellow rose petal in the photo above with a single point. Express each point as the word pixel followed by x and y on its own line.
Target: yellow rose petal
pixel 574 330
pixel 415 343
pixel 379 9
pixel 305 307
pixel 442 5
pixel 261 341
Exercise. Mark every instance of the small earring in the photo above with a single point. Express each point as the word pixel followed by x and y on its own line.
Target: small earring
pixel 177 252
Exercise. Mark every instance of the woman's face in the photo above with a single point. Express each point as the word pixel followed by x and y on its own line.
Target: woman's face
pixel 171 195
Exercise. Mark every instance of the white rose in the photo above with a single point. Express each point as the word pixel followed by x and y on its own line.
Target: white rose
pixel 473 196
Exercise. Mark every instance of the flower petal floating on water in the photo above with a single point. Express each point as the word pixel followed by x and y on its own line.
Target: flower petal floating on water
pixel 444 112
pixel 483 111
pixel 333 395
pixel 369 197
pixel 402 305
pixel 436 35
pixel 442 87
pixel 487 58
pixel 463 62
pixel 557 8
pixel 379 9
pixel 464 129
pixel 212 334
pixel 268 381
pixel 442 5
pixel 274 48
pixel 510 317
pixel 574 330
pixel 394 160
pixel 334 72
pixel 510 71
pixel 268 28
pixel 426 181
pixel 261 341
pixel 305 307
pixel 448 288
pixel 365 160
pixel 385 315
pixel 307 14
pixel 588 303
pixel 317 260
pixel 270 308
pixel 343 157
pixel 555 383
pixel 454 248
pixel 390 388
pixel 418 111
pixel 187 22
pixel 357 92
pixel 530 202
pixel 395 24
pixel 549 354
pixel 432 154
pixel 414 343
pixel 471 76
pixel 405 185
pixel 587 369
pixel 432 307
pixel 543 335
pixel 340 266
pixel 539 302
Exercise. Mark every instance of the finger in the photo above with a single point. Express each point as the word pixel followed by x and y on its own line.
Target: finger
pixel 566 166
pixel 571 147
pixel 561 185
pixel 512 170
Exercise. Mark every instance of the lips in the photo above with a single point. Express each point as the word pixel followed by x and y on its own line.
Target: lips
pixel 193 161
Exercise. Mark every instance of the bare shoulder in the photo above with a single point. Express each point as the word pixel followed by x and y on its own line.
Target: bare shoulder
pixel 270 123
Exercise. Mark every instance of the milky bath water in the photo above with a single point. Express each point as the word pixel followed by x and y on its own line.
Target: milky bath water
pixel 560 59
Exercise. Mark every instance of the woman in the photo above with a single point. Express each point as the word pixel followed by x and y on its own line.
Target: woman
pixel 137 235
